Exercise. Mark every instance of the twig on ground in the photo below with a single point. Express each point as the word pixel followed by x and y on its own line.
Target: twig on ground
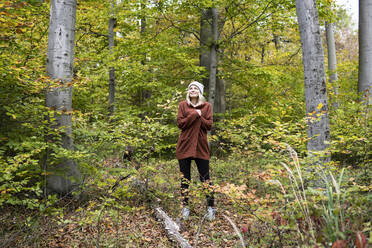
pixel 236 230
pixel 199 229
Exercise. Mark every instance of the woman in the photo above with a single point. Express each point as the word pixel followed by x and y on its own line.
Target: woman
pixel 194 118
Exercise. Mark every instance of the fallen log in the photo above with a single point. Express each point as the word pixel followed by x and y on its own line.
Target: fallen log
pixel 172 228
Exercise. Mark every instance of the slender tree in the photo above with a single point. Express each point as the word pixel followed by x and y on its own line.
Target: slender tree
pixel 220 99
pixel 60 55
pixel 365 50
pixel 314 73
pixel 332 62
pixel 263 53
pixel 213 57
pixel 111 43
pixel 205 43
pixel 210 29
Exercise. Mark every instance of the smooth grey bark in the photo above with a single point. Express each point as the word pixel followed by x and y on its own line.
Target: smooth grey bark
pixel 220 100
pixel 332 63
pixel 205 43
pixel 60 55
pixel 220 96
pixel 210 29
pixel 315 76
pixel 111 41
pixel 213 58
pixel 365 50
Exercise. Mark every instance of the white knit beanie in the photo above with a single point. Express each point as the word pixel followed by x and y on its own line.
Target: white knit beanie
pixel 197 84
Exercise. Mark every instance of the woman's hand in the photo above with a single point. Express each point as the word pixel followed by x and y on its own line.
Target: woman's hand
pixel 199 111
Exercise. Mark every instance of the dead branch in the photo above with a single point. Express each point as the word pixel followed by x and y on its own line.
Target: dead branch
pixel 199 229
pixel 172 228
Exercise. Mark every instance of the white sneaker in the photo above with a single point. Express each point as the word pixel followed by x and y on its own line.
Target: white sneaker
pixel 185 213
pixel 211 213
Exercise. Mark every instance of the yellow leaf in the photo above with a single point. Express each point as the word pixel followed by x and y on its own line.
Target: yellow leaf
pixel 320 105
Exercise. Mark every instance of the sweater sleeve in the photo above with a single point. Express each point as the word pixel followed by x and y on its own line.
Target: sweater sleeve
pixel 185 120
pixel 207 119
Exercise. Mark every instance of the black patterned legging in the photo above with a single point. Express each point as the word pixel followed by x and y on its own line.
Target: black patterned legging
pixel 203 168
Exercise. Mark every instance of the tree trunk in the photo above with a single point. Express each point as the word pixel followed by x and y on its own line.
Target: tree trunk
pixel 262 54
pixel 209 32
pixel 60 55
pixel 315 77
pixel 111 41
pixel 213 57
pixel 220 101
pixel 332 63
pixel 365 50
pixel 205 43
pixel 276 42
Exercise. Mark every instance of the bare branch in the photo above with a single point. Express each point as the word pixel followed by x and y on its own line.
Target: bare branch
pixel 259 18
pixel 172 228
pixel 180 28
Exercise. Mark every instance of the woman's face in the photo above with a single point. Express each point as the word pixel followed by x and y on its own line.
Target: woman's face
pixel 193 91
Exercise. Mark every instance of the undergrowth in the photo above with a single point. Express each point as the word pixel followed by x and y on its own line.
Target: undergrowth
pixel 265 200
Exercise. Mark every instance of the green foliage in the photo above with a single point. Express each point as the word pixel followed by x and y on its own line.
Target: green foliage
pixel 333 213
pixel 20 182
pixel 257 132
pixel 265 112
pixel 324 211
pixel 24 29
pixel 351 129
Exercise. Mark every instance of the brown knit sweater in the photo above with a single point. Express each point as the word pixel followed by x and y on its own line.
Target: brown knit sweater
pixel 193 138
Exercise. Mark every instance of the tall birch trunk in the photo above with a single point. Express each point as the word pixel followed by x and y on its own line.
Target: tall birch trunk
pixel 332 63
pixel 365 50
pixel 111 41
pixel 213 57
pixel 315 77
pixel 60 55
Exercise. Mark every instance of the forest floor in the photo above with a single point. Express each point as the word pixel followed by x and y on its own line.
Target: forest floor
pixel 244 194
